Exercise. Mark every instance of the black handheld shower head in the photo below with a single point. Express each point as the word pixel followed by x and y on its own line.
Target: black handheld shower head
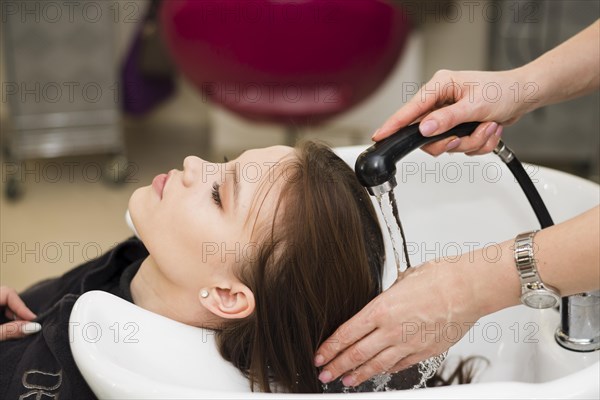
pixel 376 166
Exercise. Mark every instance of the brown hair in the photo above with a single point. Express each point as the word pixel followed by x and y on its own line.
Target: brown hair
pixel 319 263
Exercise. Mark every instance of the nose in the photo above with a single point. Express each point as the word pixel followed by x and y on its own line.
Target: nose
pixel 191 161
pixel 196 169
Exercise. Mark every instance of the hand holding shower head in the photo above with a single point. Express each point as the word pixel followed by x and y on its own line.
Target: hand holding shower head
pixel 376 167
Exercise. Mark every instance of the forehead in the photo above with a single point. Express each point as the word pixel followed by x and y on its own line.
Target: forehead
pixel 262 174
pixel 267 153
pixel 258 169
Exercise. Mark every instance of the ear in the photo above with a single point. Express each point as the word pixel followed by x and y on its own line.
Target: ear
pixel 229 300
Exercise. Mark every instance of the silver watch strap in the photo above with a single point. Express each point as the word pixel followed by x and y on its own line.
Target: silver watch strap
pixel 526 264
pixel 524 259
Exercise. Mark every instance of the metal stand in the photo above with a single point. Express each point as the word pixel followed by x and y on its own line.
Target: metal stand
pixel 61 86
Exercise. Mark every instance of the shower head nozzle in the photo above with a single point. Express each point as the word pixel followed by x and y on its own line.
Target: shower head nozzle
pixel 375 168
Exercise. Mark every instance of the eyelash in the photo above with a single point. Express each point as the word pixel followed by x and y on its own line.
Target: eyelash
pixel 216 195
pixel 215 190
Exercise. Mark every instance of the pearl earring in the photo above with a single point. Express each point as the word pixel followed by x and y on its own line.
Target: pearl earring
pixel 204 293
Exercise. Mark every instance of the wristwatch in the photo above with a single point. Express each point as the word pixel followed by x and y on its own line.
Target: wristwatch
pixel 534 292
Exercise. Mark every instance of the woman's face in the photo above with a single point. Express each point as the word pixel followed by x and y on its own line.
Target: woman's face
pixel 197 226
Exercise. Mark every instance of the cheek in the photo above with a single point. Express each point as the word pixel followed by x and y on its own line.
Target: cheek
pixel 177 232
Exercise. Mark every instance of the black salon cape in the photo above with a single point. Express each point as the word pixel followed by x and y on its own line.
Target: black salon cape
pixel 41 366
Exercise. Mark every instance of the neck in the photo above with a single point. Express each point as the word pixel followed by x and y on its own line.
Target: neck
pixel 152 291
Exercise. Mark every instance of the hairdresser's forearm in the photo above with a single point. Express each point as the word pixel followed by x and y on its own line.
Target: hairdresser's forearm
pixel 569 70
pixel 568 254
pixel 567 257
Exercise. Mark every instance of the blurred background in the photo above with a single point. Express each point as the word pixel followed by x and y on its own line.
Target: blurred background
pixel 98 97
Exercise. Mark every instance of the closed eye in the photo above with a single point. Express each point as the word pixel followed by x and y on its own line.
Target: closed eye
pixel 216 196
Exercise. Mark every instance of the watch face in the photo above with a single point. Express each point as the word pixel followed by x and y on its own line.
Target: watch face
pixel 540 299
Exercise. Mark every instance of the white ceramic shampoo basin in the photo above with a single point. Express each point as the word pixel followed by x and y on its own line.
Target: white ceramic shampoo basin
pixel 448 205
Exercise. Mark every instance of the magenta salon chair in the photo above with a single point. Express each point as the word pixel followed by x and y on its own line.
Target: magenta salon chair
pixel 290 62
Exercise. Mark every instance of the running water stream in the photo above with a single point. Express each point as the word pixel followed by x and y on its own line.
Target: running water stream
pixel 389 209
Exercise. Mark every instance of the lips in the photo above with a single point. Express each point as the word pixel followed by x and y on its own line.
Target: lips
pixel 158 183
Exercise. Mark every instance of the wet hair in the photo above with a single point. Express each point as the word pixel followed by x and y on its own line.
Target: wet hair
pixel 463 373
pixel 319 262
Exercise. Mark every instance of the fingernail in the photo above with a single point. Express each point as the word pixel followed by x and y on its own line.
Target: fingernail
pixel 499 131
pixel 319 360
pixel 348 380
pixel 453 144
pixel 489 131
pixel 325 376
pixel 30 327
pixel 428 127
pixel 375 134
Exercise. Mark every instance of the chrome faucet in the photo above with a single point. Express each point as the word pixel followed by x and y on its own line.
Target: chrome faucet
pixel 579 328
pixel 376 170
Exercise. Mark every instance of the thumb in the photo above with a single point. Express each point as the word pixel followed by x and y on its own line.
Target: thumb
pixel 18 329
pixel 446 118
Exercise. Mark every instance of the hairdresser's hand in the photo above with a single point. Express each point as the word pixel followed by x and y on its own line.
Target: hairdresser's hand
pixel 451 98
pixel 14 308
pixel 428 309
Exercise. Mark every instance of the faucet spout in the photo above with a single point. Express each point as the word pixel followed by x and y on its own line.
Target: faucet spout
pixel 376 167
